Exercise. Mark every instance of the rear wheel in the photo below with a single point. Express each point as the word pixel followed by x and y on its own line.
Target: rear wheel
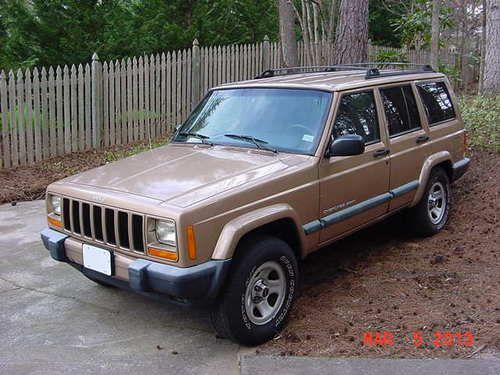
pixel 260 291
pixel 430 215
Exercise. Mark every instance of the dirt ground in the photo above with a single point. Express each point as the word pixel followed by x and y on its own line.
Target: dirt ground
pixel 29 182
pixel 385 280
pixel 380 280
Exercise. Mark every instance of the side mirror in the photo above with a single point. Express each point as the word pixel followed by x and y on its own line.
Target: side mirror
pixel 347 145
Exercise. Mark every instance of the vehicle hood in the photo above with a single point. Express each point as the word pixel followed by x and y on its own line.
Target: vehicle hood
pixel 185 174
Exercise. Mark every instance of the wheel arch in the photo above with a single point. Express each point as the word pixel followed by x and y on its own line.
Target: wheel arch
pixel 278 220
pixel 441 159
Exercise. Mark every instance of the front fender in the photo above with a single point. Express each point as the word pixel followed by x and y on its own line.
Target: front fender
pixel 234 230
pixel 430 162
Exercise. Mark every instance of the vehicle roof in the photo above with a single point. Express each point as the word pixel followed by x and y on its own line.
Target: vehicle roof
pixel 331 81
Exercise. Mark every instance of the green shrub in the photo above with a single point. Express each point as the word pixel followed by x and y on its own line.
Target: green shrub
pixel 481 115
pixel 452 72
pixel 391 56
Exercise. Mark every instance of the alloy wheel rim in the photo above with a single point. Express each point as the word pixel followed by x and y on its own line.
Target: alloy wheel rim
pixel 265 293
pixel 436 202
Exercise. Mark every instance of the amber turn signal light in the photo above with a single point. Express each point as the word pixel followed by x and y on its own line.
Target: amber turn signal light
pixel 54 222
pixel 191 243
pixel 169 255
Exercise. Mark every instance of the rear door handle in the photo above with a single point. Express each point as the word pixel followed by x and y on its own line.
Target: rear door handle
pixel 381 152
pixel 422 138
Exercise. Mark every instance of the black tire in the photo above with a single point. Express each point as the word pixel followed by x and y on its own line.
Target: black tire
pixel 230 317
pixel 423 222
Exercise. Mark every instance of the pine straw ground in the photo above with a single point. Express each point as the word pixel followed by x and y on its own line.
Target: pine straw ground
pixel 29 182
pixel 384 279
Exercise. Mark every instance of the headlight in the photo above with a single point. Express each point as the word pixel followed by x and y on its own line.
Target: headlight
pixel 165 232
pixel 55 203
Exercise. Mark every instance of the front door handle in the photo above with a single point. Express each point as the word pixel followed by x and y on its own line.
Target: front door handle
pixel 422 138
pixel 381 152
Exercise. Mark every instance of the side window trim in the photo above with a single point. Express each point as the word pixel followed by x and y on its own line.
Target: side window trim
pixel 426 111
pixel 442 122
pixel 413 130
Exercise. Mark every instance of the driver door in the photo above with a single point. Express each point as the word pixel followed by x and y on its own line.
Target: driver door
pixel 354 189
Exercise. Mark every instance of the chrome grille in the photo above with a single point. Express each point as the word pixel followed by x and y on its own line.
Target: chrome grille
pixel 112 227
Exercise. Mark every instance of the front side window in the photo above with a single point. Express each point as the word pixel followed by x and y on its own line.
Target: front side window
pixel 437 101
pixel 357 114
pixel 400 109
pixel 289 120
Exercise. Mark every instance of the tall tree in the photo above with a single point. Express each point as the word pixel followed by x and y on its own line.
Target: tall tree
pixel 317 20
pixel 351 42
pixel 436 10
pixel 287 33
pixel 383 17
pixel 483 45
pixel 491 80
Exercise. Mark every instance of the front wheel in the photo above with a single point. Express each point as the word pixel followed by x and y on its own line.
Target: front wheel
pixel 260 291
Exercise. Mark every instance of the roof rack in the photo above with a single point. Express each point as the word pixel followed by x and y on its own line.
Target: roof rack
pixel 373 70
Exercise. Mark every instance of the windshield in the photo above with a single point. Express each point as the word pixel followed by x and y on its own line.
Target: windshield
pixel 289 120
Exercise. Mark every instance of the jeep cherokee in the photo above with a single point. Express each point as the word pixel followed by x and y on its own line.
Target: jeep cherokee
pixel 261 174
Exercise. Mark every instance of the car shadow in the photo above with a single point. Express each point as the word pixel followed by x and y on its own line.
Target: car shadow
pixel 358 249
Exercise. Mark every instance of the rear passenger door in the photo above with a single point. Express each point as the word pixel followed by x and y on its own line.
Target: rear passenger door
pixel 408 141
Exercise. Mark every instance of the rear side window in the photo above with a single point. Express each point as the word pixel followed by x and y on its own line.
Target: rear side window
pixel 400 109
pixel 437 101
pixel 357 114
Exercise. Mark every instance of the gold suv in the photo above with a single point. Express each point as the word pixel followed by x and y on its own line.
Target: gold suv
pixel 263 173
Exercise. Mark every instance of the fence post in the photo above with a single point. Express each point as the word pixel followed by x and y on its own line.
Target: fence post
pixel 195 74
pixel 3 120
pixel 266 54
pixel 97 97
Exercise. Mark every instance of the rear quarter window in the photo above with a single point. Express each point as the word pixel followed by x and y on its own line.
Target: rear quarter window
pixel 437 101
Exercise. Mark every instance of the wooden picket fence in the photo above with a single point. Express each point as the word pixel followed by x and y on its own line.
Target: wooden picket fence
pixel 50 112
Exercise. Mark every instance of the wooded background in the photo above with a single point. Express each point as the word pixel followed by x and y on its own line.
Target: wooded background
pixel 65 32
pixel 71 103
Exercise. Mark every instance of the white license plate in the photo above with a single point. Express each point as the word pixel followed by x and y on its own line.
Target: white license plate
pixel 97 259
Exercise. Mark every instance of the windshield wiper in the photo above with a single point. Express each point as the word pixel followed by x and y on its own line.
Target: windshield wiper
pixel 201 137
pixel 259 143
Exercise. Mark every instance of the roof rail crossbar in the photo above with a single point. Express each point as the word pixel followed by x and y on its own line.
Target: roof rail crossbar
pixel 305 69
pixel 373 70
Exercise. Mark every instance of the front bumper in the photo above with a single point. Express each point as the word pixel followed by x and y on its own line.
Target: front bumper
pixel 197 283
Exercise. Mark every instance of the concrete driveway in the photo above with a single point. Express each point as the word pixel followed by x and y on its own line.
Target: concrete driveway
pixel 53 320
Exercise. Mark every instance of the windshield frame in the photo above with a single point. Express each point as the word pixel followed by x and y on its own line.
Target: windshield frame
pixel 317 142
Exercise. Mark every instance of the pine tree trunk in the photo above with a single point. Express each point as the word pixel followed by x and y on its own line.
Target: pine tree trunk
pixel 483 46
pixel 287 33
pixel 491 82
pixel 351 42
pixel 463 45
pixel 436 9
